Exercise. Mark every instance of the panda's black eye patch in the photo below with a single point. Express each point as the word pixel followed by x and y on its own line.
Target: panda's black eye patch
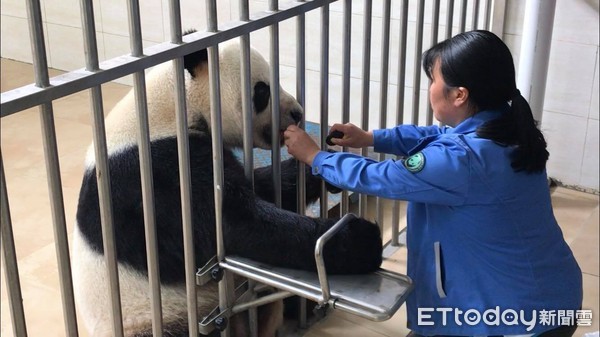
pixel 262 94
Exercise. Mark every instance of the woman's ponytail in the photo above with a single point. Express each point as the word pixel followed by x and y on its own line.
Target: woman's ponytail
pixel 530 153
pixel 517 128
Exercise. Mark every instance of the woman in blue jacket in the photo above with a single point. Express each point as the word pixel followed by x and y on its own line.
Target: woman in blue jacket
pixel 485 252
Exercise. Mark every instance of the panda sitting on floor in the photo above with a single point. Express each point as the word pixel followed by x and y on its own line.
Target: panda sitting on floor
pixel 253 226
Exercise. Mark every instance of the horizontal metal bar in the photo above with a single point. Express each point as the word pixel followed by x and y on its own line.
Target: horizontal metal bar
pixel 66 84
pixel 261 301
pixel 277 281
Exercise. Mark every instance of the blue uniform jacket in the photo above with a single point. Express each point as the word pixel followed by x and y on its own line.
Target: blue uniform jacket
pixel 480 236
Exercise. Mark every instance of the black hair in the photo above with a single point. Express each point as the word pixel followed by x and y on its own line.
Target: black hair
pixel 480 62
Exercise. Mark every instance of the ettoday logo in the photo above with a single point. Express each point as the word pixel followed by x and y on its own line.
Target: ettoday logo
pixel 496 317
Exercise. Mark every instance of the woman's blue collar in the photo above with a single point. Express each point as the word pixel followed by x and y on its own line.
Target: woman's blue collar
pixel 472 123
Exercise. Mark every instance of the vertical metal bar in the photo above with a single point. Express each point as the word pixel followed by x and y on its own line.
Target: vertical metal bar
pixel 435 21
pixel 135 30
pixel 383 100
pixel 463 16
pixel 275 108
pixel 184 171
pixel 145 158
pixel 58 216
pixel 248 137
pixel 449 17
pixel 475 14
pixel 301 97
pixel 366 81
pixel 400 107
pixel 38 46
pixel 106 210
pixel 347 43
pixel 497 9
pixel 246 95
pixel 102 172
pixel 226 284
pixel 417 64
pixel 52 168
pixel 324 94
pixel 488 15
pixel 9 257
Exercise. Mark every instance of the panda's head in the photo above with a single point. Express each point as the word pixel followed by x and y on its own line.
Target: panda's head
pixel 198 96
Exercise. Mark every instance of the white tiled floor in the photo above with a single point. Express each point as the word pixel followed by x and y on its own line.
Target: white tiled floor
pixel 577 212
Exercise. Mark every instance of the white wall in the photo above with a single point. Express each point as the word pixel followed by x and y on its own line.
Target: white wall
pixel 570 120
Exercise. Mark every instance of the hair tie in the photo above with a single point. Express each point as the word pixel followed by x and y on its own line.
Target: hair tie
pixel 516 93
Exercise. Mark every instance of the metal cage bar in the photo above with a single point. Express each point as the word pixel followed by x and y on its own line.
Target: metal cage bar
pixel 248 141
pixel 417 64
pixel 324 95
pixel 487 15
pixel 475 18
pixel 226 283
pixel 301 98
pixel 366 79
pixel 145 158
pixel 9 257
pixel 463 16
pixel 346 47
pixel 383 95
pixel 246 95
pixel 435 22
pixel 449 18
pixel 106 209
pixel 184 168
pixel 400 106
pixel 40 65
pixel 275 108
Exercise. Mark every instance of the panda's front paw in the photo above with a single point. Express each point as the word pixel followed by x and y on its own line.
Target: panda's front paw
pixel 356 249
pixel 313 184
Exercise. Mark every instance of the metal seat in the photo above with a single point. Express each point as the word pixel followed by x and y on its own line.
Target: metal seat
pixel 375 296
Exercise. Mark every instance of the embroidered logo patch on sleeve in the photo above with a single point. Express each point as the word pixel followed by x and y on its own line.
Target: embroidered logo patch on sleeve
pixel 415 163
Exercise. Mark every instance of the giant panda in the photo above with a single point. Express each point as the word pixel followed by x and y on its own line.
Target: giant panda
pixel 253 226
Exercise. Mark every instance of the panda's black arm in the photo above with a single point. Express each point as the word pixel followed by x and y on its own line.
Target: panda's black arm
pixel 286 239
pixel 263 184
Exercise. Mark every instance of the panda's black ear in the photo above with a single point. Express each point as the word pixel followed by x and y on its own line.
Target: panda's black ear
pixel 193 60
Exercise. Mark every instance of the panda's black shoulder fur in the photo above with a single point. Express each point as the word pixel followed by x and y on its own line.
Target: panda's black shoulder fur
pixel 128 219
pixel 253 226
pixel 192 60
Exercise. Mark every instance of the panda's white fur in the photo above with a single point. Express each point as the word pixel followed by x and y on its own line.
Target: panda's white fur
pixel 281 227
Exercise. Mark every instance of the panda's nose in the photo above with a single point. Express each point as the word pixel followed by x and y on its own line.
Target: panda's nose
pixel 296 115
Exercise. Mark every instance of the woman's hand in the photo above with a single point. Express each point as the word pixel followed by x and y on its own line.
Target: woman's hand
pixel 300 144
pixel 353 136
